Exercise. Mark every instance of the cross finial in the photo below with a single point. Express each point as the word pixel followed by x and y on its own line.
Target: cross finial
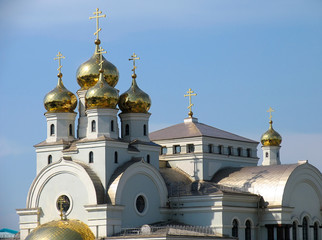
pixel 97 16
pixel 59 56
pixel 100 52
pixel 190 94
pixel 270 110
pixel 133 58
pixel 61 201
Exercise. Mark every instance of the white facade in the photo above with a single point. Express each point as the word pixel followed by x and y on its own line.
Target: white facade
pixel 114 177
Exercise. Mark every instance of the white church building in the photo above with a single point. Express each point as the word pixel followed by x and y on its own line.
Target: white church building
pixel 113 177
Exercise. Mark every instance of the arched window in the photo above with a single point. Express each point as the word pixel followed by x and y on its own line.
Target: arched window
pixel 234 230
pixel 70 130
pixel 294 231
pixel 127 130
pixel 93 126
pixel 305 229
pixel 248 232
pixel 148 158
pixel 316 231
pixel 91 157
pixel 116 157
pixel 112 126
pixel 52 130
pixel 50 159
pixel 144 130
pixel 266 154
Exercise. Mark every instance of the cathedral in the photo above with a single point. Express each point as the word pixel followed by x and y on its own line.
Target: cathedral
pixel 98 178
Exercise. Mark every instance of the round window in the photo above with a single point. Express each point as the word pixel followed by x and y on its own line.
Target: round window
pixel 63 203
pixel 140 204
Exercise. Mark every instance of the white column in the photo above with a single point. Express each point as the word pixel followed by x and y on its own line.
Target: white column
pixel 82 120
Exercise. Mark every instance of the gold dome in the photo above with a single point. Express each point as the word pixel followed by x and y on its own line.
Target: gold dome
pixel 101 95
pixel 60 99
pixel 134 100
pixel 271 137
pixel 62 230
pixel 87 73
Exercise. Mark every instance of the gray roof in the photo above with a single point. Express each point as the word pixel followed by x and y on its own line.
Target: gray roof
pixel 194 129
pixel 267 181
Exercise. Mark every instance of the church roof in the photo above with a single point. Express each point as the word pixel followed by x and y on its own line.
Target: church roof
pixel 267 181
pixel 195 129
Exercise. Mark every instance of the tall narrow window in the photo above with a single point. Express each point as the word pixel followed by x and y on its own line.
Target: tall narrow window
pixel 70 130
pixel 230 150
pixel 127 130
pixel 176 149
pixel 294 231
pixel 234 231
pixel 144 129
pixel 249 152
pixel 266 154
pixel 248 233
pixel 116 157
pixel 50 159
pixel 91 157
pixel 220 147
pixel 52 130
pixel 93 126
pixel 210 148
pixel 190 148
pixel 305 229
pixel 164 150
pixel 112 126
pixel 148 158
pixel 316 231
pixel 239 151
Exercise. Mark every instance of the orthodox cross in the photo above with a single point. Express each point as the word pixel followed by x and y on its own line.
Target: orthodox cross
pixel 61 201
pixel 97 13
pixel 59 56
pixel 190 94
pixel 270 110
pixel 133 58
pixel 100 52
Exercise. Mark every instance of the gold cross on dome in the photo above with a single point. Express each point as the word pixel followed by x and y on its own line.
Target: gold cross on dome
pixel 190 94
pixel 59 56
pixel 61 201
pixel 133 58
pixel 97 16
pixel 270 110
pixel 100 52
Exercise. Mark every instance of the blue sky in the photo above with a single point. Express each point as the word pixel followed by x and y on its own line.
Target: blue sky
pixel 239 56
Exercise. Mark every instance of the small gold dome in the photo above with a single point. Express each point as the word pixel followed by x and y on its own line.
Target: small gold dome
pixel 134 100
pixel 60 99
pixel 101 95
pixel 87 73
pixel 62 230
pixel 271 137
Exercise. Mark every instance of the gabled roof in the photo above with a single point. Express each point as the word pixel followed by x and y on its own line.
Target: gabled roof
pixel 194 129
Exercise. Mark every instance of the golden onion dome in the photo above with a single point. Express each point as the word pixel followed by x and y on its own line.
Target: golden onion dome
pixel 101 95
pixel 271 137
pixel 60 99
pixel 87 73
pixel 134 100
pixel 62 230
